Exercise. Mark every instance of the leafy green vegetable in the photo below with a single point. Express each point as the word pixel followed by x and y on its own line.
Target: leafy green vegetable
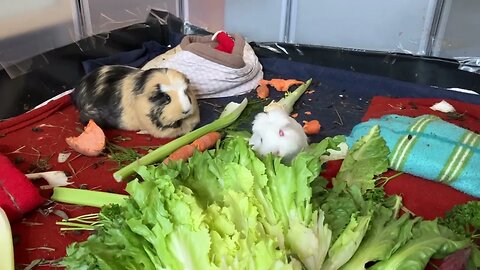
pixel 464 219
pixel 347 243
pixel 310 244
pixel 338 208
pixel 159 227
pixel 224 208
pixel 366 159
pixel 228 208
pixel 428 239
pixel 383 238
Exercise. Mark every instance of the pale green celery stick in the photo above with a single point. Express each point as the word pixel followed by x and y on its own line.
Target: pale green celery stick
pixel 288 101
pixel 86 197
pixel 231 112
pixel 6 243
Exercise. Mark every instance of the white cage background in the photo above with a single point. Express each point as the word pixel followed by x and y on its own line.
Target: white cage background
pixel 443 28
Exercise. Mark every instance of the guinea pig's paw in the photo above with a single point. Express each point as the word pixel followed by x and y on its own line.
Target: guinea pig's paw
pixel 143 132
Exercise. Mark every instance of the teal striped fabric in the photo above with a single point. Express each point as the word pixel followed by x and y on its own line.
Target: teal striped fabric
pixel 429 147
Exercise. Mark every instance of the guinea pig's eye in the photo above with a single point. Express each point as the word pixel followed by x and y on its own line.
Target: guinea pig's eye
pixel 160 98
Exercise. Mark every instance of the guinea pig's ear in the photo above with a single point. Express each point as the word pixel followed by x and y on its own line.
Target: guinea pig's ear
pixel 192 90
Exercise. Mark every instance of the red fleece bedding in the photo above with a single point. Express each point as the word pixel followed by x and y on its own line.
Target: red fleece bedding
pixel 38 136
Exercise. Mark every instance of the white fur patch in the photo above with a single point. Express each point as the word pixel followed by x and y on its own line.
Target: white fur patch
pixel 178 88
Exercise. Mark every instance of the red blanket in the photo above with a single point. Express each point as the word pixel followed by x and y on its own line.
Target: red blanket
pixel 34 140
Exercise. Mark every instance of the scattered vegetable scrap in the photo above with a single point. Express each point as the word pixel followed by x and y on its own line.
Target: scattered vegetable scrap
pixel 294 115
pixel 263 91
pixel 311 127
pixel 120 154
pixel 309 92
pixel 201 144
pixel 280 85
pixel 62 157
pixel 308 113
pixel 53 178
pixel 90 143
pixel 283 85
pixel 443 106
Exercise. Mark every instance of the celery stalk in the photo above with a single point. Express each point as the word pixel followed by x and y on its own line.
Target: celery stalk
pixel 287 102
pixel 86 197
pixel 231 112
pixel 7 261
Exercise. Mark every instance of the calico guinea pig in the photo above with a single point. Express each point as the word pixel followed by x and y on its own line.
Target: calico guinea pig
pixel 157 101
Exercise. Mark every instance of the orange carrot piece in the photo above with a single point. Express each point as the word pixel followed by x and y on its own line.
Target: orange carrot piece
pixel 90 143
pixel 207 141
pixel 278 84
pixel 312 127
pixel 263 82
pixel 182 153
pixel 201 144
pixel 263 91
pixel 282 85
pixel 291 82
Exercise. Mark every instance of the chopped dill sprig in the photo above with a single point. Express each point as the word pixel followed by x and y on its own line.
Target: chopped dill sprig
pixel 245 119
pixel 121 155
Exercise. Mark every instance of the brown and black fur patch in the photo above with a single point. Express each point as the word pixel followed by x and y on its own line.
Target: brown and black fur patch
pixel 158 101
pixel 98 96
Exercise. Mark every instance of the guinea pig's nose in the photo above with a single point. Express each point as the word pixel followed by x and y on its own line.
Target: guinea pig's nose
pixel 186 112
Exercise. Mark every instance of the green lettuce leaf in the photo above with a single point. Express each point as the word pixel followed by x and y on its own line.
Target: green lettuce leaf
pixel 310 244
pixel 367 158
pixel 347 243
pixel 384 237
pixel 429 240
pixel 338 209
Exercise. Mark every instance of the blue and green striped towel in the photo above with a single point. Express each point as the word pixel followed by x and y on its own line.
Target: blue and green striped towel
pixel 429 147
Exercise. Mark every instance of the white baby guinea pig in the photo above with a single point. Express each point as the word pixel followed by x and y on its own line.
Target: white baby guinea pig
pixel 277 133
pixel 156 101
